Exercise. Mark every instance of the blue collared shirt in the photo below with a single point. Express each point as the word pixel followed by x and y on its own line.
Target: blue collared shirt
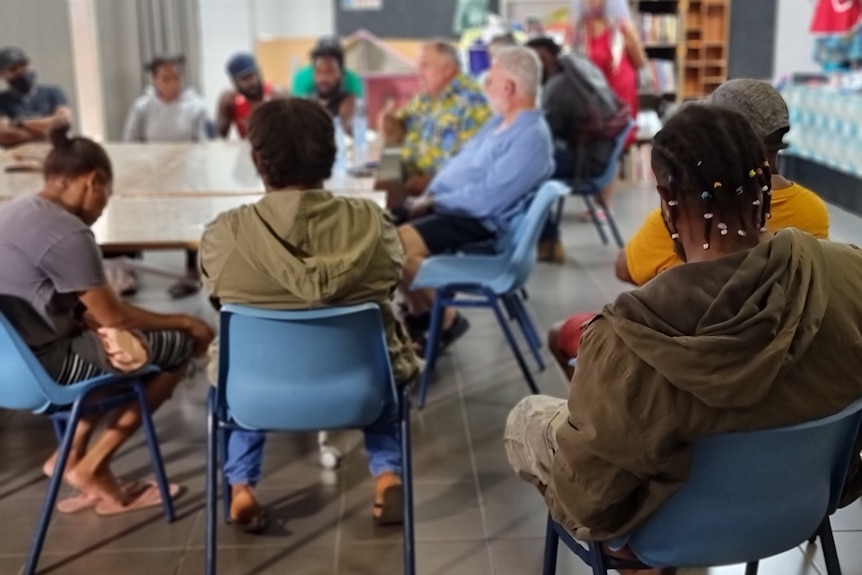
pixel 492 176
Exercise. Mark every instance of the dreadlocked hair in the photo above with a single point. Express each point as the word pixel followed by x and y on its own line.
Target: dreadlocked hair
pixel 710 157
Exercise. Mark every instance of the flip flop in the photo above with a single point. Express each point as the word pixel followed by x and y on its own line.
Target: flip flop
pixel 255 526
pixel 148 498
pixel 78 501
pixel 391 509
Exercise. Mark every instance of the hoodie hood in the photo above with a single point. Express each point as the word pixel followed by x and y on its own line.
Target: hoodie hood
pixel 725 330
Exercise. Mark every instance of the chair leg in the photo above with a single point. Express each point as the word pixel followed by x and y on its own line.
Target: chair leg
pixel 830 553
pixel 155 453
pixel 528 329
pixel 552 544
pixel 751 567
pixel 212 483
pixel 431 345
pixel 58 423
pixel 53 490
pixel 407 480
pixel 600 228
pixel 222 437
pixel 597 559
pixel 504 325
pixel 612 222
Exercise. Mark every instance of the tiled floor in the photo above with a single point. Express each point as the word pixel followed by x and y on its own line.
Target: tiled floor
pixel 473 516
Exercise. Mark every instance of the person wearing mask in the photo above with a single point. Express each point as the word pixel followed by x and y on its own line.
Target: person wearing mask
pixel 477 193
pixel 235 106
pixel 329 90
pixel 304 83
pixel 756 330
pixel 650 252
pixel 605 34
pixel 166 112
pixel 56 296
pixel 28 110
pixel 449 110
pixel 301 247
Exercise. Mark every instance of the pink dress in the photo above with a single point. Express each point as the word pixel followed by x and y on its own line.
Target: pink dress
pixel 624 80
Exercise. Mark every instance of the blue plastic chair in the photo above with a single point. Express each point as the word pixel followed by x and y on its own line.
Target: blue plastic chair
pixel 303 371
pixel 490 279
pixel 750 496
pixel 26 386
pixel 591 189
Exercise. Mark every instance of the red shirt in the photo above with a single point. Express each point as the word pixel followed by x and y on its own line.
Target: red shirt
pixel 242 109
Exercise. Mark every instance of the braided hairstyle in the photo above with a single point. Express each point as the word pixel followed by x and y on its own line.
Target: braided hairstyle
pixel 709 158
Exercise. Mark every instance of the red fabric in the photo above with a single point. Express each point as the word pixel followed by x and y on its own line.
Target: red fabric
pixel 623 81
pixel 571 331
pixel 835 16
pixel 242 109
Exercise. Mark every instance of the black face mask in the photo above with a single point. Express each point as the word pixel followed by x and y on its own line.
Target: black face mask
pixel 23 83
pixel 255 93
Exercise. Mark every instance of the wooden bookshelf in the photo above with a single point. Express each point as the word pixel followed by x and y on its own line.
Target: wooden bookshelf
pixel 706 46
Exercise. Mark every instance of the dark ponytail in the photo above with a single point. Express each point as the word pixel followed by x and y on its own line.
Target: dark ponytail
pixel 74 157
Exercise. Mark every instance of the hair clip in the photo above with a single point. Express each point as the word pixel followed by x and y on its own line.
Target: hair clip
pixel 755 203
pixel 764 189
pixel 739 191
pixel 706 246
pixel 752 173
pixel 723 228
pixel 705 196
pixel 716 185
pixel 708 216
pixel 740 233
pixel 672 203
pixel 674 236
pixel 699 162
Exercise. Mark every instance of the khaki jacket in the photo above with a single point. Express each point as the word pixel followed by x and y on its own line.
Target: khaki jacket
pixel 305 250
pixel 764 338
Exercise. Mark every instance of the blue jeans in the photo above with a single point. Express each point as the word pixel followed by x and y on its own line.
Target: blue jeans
pixel 245 451
pixel 564 161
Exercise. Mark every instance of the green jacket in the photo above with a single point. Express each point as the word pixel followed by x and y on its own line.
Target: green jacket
pixel 763 338
pixel 304 250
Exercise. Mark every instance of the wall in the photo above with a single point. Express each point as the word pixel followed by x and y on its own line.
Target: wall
pixel 293 18
pixel 42 29
pixel 751 42
pixel 403 19
pixel 794 46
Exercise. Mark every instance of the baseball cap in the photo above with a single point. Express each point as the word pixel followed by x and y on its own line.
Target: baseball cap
pixel 10 56
pixel 241 64
pixel 758 101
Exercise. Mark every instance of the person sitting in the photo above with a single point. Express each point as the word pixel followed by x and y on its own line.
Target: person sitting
pixel 329 85
pixel 585 115
pixel 235 106
pixel 476 194
pixel 756 330
pixel 56 296
pixel 650 252
pixel 437 122
pixel 304 84
pixel 28 110
pixel 290 251
pixel 167 112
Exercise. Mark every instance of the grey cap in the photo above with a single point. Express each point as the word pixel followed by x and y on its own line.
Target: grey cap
pixel 10 56
pixel 760 103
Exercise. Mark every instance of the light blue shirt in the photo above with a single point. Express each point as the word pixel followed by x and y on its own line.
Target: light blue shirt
pixel 492 176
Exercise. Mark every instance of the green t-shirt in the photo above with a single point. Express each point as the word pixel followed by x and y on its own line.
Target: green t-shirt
pixel 303 83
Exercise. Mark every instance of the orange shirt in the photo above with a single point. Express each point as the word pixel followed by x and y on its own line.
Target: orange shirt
pixel 650 251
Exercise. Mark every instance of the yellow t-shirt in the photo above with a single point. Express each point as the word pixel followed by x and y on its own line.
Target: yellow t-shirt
pixel 650 251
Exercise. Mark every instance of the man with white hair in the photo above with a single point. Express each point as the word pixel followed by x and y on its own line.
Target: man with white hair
pixel 476 194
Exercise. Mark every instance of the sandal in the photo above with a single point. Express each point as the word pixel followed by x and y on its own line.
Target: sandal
pixel 253 527
pixel 390 511
pixel 146 499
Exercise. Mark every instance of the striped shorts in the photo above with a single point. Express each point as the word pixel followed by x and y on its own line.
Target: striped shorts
pixel 169 350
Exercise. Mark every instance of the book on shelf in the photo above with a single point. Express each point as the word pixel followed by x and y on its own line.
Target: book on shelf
pixel 658 28
pixel 658 76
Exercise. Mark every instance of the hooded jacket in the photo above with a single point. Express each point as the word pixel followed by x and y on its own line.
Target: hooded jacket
pixel 306 250
pixel 759 339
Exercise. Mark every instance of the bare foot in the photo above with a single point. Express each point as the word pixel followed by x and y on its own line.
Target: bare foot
pixel 51 463
pixel 101 485
pixel 244 507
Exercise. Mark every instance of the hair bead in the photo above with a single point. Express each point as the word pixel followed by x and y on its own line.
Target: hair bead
pixel 706 246
pixel 740 233
pixel 705 196
pixel 723 228
pixel 708 216
pixel 672 203
pixel 674 236
pixel 752 173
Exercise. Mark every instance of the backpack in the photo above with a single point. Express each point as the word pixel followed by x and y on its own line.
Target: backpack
pixel 607 115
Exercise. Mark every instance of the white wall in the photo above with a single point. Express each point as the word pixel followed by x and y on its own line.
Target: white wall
pixel 293 18
pixel 794 45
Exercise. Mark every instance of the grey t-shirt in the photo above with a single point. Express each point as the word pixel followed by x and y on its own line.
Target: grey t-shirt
pixel 47 257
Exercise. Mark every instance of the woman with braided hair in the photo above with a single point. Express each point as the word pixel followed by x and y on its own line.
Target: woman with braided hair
pixel 755 331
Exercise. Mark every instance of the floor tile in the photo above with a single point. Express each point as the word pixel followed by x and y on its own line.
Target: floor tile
pixel 127 563
pixel 437 558
pixel 523 556
pixel 310 560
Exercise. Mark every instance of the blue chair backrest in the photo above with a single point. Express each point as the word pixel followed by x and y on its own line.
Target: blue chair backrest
pixel 596 185
pixel 24 384
pixel 520 243
pixel 304 370
pixel 752 495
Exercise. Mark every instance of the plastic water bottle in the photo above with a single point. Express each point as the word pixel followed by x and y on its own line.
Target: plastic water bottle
pixel 360 134
pixel 340 147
